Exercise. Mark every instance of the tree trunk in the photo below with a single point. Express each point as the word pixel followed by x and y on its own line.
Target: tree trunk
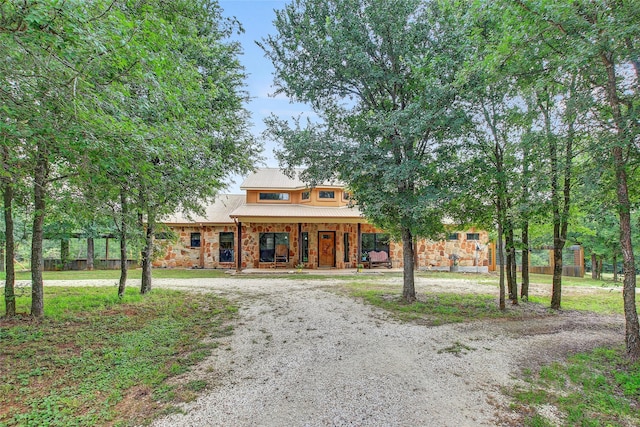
pixel 501 263
pixel 615 267
pixel 10 277
pixel 123 244
pixel 524 290
pixel 556 293
pixel 594 266
pixel 147 255
pixel 90 253
pixel 600 266
pixel 408 288
pixel 511 266
pixel 632 327
pixel 64 254
pixel 37 260
pixel 514 274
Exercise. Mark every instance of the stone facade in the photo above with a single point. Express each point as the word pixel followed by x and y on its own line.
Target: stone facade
pixel 180 254
pixel 430 254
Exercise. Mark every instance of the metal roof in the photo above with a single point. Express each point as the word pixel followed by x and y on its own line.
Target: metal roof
pixel 296 211
pixel 216 213
pixel 275 179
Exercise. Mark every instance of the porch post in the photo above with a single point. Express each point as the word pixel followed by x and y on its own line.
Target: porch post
pixel 202 244
pixel 299 243
pixel 239 248
pixel 359 256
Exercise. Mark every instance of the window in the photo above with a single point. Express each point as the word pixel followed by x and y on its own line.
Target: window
pixel 226 247
pixel 375 242
pixel 274 196
pixel 473 236
pixel 346 247
pixel 305 246
pixel 268 244
pixel 306 195
pixel 195 240
pixel 327 194
pixel 346 195
pixel 453 236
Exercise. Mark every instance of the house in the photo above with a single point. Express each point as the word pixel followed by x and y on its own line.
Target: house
pixel 281 222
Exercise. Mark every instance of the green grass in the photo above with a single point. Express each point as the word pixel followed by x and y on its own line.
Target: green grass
pixel 431 308
pixel 97 360
pixel 599 388
pixel 160 273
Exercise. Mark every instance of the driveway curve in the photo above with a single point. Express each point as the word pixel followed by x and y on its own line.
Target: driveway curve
pixel 303 355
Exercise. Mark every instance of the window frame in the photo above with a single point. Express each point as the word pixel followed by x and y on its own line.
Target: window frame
pixel 305 199
pixel 474 236
pixel 192 239
pixel 304 241
pixel 268 254
pixel 345 244
pixel 282 197
pixel 321 192
pixel 222 249
pixel 451 236
pixel 380 243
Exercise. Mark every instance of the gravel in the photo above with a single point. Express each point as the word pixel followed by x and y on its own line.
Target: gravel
pixel 302 355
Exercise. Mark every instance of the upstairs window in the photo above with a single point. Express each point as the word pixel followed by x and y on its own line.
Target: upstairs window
pixel 306 195
pixel 274 196
pixel 453 236
pixel 326 194
pixel 473 236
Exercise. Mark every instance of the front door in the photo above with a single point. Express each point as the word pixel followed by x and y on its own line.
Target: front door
pixel 327 248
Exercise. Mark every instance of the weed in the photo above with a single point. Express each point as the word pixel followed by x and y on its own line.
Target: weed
pixel 93 350
pixel 457 349
pixel 603 389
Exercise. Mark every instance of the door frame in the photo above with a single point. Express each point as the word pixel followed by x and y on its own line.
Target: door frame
pixel 334 249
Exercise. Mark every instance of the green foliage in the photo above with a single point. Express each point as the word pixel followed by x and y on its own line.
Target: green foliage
pixel 93 349
pixel 599 388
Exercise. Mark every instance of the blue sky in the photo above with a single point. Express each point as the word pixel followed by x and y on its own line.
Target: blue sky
pixel 257 18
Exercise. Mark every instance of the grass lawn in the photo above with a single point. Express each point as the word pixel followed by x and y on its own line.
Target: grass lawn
pixel 160 273
pixel 96 360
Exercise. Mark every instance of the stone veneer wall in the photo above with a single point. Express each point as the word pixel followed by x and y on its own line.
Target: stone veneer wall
pixel 433 253
pixel 181 255
pixel 430 253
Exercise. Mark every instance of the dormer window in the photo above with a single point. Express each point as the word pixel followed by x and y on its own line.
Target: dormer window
pixel 306 195
pixel 326 194
pixel 274 196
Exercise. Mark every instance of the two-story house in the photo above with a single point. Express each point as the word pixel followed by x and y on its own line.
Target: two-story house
pixel 281 222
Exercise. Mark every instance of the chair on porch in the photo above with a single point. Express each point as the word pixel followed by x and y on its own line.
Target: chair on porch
pixel 281 256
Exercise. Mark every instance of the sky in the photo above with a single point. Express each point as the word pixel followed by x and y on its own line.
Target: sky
pixel 256 17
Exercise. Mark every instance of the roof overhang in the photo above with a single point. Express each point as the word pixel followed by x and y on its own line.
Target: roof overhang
pixel 297 219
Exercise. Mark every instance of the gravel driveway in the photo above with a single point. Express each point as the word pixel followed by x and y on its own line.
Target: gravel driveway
pixel 301 355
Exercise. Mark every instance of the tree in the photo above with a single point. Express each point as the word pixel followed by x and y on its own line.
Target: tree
pixel 602 36
pixel 381 76
pixel 72 68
